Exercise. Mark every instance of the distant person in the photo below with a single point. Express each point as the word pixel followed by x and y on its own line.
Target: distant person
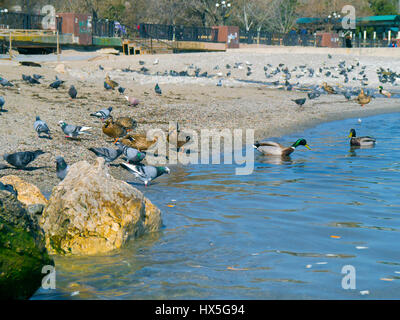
pixel 393 44
pixel 348 42
pixel 303 36
pixel 293 37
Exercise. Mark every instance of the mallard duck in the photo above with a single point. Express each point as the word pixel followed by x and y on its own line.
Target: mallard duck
pixel 384 92
pixel 110 82
pixel 113 130
pixel 360 141
pixel 125 122
pixel 176 137
pixel 138 141
pixel 328 88
pixel 271 148
pixel 363 99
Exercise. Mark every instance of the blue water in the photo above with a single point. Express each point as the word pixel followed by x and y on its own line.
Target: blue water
pixel 284 232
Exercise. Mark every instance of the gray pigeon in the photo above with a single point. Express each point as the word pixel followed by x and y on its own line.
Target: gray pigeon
pixel 347 95
pixel 56 84
pixel 9 188
pixel 132 155
pixel 61 168
pixel 2 102
pixel 22 159
pixel 108 154
pixel 145 173
pixel 41 127
pixel 313 95
pixel 5 83
pixel 72 131
pixel 102 114
pixel 72 92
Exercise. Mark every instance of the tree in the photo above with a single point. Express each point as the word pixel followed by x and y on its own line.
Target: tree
pixel 283 16
pixel 383 7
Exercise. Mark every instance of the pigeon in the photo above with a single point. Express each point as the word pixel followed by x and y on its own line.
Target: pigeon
pixel 22 159
pixel 29 79
pixel 300 102
pixel 219 84
pixel 155 61
pixel 108 154
pixel 107 86
pixel 72 92
pixel 133 155
pixel 5 83
pixel 41 127
pixel 313 95
pixel 56 84
pixel 72 131
pixel 141 62
pixel 9 188
pixel 145 173
pixel 102 114
pixel 347 95
pixel 133 102
pixel 2 102
pixel 37 76
pixel 61 168
pixel 121 90
pixel 157 89
pixel 100 67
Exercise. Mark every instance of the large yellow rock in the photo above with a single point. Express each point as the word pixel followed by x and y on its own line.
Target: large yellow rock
pixel 90 212
pixel 28 194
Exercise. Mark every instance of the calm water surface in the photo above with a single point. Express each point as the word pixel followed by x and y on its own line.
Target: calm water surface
pixel 284 232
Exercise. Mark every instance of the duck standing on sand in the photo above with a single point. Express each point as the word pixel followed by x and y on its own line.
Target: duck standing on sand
pixel 271 148
pixel 363 99
pixel 111 83
pixel 113 130
pixel 360 141
pixel 328 88
pixel 138 141
pixel 384 92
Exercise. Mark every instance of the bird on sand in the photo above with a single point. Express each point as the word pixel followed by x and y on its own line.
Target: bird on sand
pixel 72 131
pixel 56 84
pixel 9 188
pixel 365 141
pixel 121 90
pixel 5 83
pixel 61 168
pixel 21 159
pixel 363 99
pixel 146 174
pixel 176 137
pixel 138 141
pixel 107 86
pixel 328 88
pixel 72 92
pixel 384 92
pixel 113 130
pixel 133 155
pixel 41 127
pixel 108 154
pixel 157 89
pixel 2 102
pixel 132 102
pixel 110 82
pixel 126 122
pixel 347 95
pixel 300 102
pixel 272 148
pixel 103 114
pixel 313 95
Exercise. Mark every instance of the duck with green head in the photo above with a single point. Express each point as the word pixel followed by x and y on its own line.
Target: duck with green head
pixel 271 148
pixel 365 141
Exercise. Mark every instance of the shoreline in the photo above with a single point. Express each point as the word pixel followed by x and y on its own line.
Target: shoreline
pixel 196 102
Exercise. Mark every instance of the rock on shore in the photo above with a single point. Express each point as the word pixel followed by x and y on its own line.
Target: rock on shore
pixel 90 212
pixel 22 250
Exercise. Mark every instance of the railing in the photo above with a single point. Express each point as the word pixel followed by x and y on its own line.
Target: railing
pixel 276 39
pixel 27 21
pixel 177 33
pixel 104 28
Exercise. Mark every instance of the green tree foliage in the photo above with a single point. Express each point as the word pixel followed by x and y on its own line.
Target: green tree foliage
pixel 383 7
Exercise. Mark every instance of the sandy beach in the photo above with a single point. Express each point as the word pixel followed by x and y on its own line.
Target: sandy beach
pixel 196 102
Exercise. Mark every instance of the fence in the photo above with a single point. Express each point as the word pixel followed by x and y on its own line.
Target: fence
pixel 104 28
pixel 277 39
pixel 27 21
pixel 179 33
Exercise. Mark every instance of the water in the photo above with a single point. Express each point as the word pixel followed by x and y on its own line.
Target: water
pixel 284 232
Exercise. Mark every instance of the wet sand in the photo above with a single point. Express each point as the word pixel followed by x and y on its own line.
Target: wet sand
pixel 196 102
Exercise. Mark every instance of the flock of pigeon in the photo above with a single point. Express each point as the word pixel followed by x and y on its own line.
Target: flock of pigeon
pixel 133 146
